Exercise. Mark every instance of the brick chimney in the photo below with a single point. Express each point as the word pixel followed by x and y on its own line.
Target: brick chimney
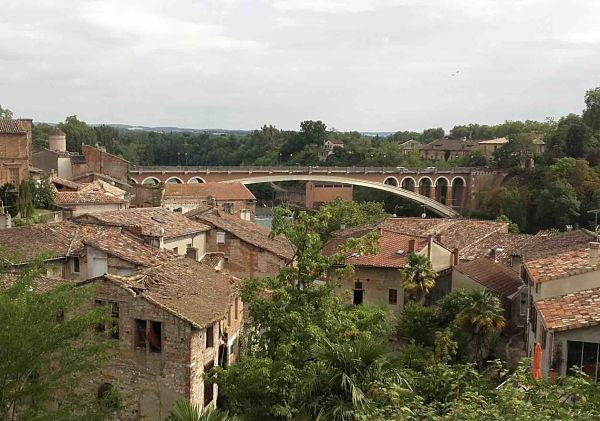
pixel 594 253
pixel 411 246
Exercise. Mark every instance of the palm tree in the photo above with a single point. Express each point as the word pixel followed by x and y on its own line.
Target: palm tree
pixel 346 376
pixel 185 411
pixel 482 316
pixel 419 276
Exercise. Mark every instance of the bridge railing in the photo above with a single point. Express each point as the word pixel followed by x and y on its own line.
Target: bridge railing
pixel 305 169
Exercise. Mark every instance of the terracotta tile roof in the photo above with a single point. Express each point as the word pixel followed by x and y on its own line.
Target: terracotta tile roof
pixel 79 197
pixel 22 244
pixel 119 243
pixel 511 245
pixel 8 126
pixel 186 288
pixel 454 233
pixel 393 249
pixel 494 276
pixel 220 191
pixel 248 232
pixel 560 256
pixel 41 285
pixel 151 221
pixel 571 311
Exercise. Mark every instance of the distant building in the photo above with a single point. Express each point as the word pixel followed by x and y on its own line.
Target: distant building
pixel 329 146
pixel 410 145
pixel 319 193
pixel 232 198
pixel 447 149
pixel 491 146
pixel 95 163
pixel 15 150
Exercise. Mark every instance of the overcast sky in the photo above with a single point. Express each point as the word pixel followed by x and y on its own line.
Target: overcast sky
pixel 370 65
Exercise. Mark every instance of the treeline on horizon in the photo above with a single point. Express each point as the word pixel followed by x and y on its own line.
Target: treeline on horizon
pixel 560 190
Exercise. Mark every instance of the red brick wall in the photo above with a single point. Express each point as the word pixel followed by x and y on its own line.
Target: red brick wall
pixel 324 193
pixel 101 162
pixel 15 155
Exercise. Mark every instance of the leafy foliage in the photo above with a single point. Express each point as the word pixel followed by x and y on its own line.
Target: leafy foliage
pixel 48 349
pixel 418 276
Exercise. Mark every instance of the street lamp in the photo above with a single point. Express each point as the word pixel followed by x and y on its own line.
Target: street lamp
pixel 279 158
pixel 396 210
pixel 178 159
pixel 186 162
pixel 423 215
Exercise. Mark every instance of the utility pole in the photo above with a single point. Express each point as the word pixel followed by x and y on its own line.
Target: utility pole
pixel 595 212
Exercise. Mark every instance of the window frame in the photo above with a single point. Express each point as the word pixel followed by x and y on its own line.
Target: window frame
pixel 220 237
pixel 392 296
pixel 209 340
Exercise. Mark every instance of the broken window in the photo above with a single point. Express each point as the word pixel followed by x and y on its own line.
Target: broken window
pixel 140 333
pixel 208 387
pixel 114 313
pixel 155 337
pixel 210 337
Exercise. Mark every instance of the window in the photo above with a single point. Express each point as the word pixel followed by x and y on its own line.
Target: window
pixel 114 313
pixel 533 315
pixel 13 176
pixel 358 293
pixel 155 337
pixel 585 355
pixel 75 264
pixel 210 337
pixel 245 214
pixel 220 237
pixel 208 387
pixel 523 305
pixel 393 296
pixel 544 338
pixel 140 334
pixel 228 207
pixel 148 335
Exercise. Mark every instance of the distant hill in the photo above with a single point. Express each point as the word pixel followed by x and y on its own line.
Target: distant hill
pixel 170 129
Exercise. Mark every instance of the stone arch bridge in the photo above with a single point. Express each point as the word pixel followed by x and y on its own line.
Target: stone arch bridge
pixel 447 192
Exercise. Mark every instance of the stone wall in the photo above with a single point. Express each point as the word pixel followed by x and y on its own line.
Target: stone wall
pixel 101 162
pixel 15 155
pixel 242 259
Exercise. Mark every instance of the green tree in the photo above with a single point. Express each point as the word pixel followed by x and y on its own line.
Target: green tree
pixel 591 114
pixel 25 198
pixel 184 411
pixel 418 323
pixel 346 214
pixel 78 133
pixel 48 350
pixel 557 205
pixel 482 316
pixel 418 276
pixel 346 377
pixel 5 113
pixel 44 194
pixel 516 152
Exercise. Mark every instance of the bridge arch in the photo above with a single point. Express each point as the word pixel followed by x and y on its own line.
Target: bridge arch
pixel 432 204
pixel 195 179
pixel 409 183
pixel 174 180
pixel 133 180
pixel 150 181
pixel 391 181
pixel 426 186
pixel 442 188
pixel 458 190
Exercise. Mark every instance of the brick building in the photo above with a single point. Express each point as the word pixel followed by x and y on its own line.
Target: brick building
pixel 377 279
pixel 245 247
pixel 15 150
pixel 157 227
pixel 232 198
pixel 96 163
pixel 173 323
pixel 320 193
